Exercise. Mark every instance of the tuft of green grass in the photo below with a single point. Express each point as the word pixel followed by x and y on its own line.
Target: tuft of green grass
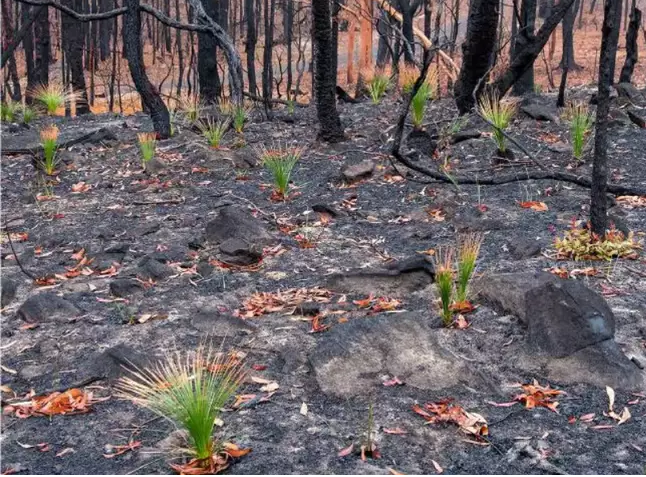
pixel 225 106
pixel 192 108
pixel 214 130
pixel 49 142
pixel 291 107
pixel 443 261
pixel 9 110
pixel 239 117
pixel 28 114
pixel 468 251
pixel 189 390
pixel 280 161
pixel 377 86
pixel 147 145
pixel 418 104
pixel 580 124
pixel 499 113
pixel 53 97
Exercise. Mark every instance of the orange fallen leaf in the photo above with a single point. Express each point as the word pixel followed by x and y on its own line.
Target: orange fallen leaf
pixel 534 205
pixel 80 187
pixel 398 431
pixel 347 451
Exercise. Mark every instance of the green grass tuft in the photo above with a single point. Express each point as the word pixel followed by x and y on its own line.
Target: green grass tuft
pixel 499 113
pixel 580 124
pixel 280 161
pixel 377 86
pixel 147 145
pixel 49 142
pixel 468 251
pixel 214 130
pixel 443 260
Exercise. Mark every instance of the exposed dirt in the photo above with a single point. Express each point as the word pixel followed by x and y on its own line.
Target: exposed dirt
pixel 381 218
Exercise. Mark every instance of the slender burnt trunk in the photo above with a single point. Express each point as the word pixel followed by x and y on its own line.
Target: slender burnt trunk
pixel 250 45
pixel 150 98
pixel 567 58
pixel 180 51
pixel 41 33
pixel 609 40
pixel 615 38
pixel 325 78
pixel 384 29
pixel 28 48
pixel 207 65
pixel 477 51
pixel 267 67
pixel 632 55
pixel 289 38
pixel 73 46
pixel 524 36
pixel 16 93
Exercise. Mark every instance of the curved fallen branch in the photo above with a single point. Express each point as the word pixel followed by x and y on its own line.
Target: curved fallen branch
pixel 440 176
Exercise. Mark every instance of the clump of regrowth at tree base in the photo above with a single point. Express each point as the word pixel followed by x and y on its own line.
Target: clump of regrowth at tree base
pixel 378 85
pixel 190 390
pixel 214 131
pixel 53 97
pixel 49 142
pixel 280 161
pixel 239 117
pixel 147 145
pixel 8 110
pixel 468 251
pixel 580 243
pixel 443 260
pixel 580 124
pixel 499 113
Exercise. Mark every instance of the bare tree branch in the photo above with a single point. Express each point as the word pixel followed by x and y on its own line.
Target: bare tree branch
pixel 87 17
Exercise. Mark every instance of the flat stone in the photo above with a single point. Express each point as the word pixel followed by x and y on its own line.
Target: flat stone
pixel 358 171
pixel 124 287
pixel 398 279
pixel 233 222
pixel 47 307
pixel 627 90
pixel 565 316
pixel 219 324
pixel 350 358
pixel 152 269
pixel 540 112
pixel 239 252
pixel 522 248
pixel 602 364
pixel 115 362
pixel 34 371
pixel 8 291
pixel 465 135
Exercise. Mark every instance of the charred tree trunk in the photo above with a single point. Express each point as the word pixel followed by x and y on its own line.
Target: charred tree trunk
pixel 250 45
pixel 525 58
pixel 567 58
pixel 289 38
pixel 28 47
pixel 267 67
pixel 384 29
pixel 207 64
pixel 325 78
pixel 524 36
pixel 41 33
pixel 615 38
pixel 16 93
pixel 477 51
pixel 632 50
pixel 180 51
pixel 73 46
pixel 609 40
pixel 150 98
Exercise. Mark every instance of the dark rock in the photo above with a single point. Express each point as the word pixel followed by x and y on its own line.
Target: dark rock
pixel 602 364
pixel 154 166
pixel 618 118
pixel 465 135
pixel 152 269
pixel 358 171
pixel 8 291
pixel 352 357
pixel 397 280
pixel 238 252
pixel 506 292
pixel 540 112
pixel 566 316
pixel 627 90
pixel 219 324
pixel 147 229
pixel 466 223
pixel 616 218
pixel 174 253
pixel 325 209
pixel 116 362
pixel 46 307
pixel 499 157
pixel 235 223
pixel 34 371
pixel 638 120
pixel 123 287
pixel 244 159
pixel 422 142
pixel 521 248
pixel 308 308
pixel 204 268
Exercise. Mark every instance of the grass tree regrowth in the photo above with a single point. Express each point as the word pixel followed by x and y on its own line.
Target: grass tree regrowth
pixel 239 116
pixel 53 97
pixel 443 260
pixel 190 390
pixel 468 251
pixel 378 85
pixel 580 120
pixel 49 142
pixel 214 130
pixel 498 111
pixel 147 145
pixel 280 161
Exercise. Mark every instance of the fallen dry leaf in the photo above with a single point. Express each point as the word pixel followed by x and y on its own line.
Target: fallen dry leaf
pixel 536 395
pixel 444 411
pixel 437 466
pixel 114 451
pixel 347 451
pixel 303 410
pixel 398 431
pixel 534 205
pixel 72 401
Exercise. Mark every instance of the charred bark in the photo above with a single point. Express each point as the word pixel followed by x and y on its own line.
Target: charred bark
pixel 524 36
pixel 207 65
pixel 250 45
pixel 567 58
pixel 73 47
pixel 477 51
pixel 41 33
pixel 609 40
pixel 632 50
pixel 325 77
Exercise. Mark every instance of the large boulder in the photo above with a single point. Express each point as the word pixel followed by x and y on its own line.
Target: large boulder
pixel 397 279
pixel 47 307
pixel 233 222
pixel 352 358
pixel 566 316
